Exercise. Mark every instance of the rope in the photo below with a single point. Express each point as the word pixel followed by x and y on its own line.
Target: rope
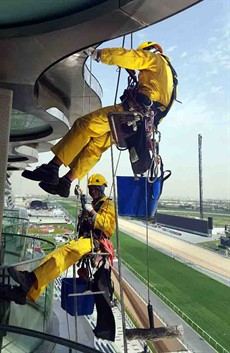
pixel 77 214
pixel 119 257
pixel 75 301
pixel 117 226
pixel 77 211
pixel 90 81
pixel 119 76
pixel 131 41
pixel 147 237
pixel 83 113
pixel 149 306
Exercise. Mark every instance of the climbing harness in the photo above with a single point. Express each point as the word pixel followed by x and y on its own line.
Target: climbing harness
pixel 92 283
pixel 161 110
pixel 134 128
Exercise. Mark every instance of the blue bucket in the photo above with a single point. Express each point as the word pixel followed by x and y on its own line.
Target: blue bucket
pixel 79 305
pixel 132 196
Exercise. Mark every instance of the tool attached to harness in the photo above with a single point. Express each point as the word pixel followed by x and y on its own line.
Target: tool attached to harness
pixel 132 128
pixel 123 125
pixel 136 127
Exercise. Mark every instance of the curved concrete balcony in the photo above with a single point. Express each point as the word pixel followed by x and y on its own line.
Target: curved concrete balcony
pixel 40 43
pixel 59 94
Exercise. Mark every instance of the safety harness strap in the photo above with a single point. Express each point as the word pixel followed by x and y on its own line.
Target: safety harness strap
pixel 130 95
pixel 85 223
pixel 162 110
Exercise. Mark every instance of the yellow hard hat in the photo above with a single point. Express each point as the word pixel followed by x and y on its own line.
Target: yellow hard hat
pixel 97 179
pixel 146 45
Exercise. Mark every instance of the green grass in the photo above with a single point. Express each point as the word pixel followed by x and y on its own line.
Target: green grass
pixel 203 299
pixel 70 206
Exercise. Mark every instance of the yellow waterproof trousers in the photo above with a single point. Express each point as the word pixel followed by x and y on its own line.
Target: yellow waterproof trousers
pixel 57 262
pixel 82 147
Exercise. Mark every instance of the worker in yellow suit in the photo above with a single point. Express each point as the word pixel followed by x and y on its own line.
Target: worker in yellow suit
pixel 101 219
pixel 81 148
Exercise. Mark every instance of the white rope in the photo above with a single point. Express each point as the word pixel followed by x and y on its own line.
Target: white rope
pixel 75 301
pixel 117 226
pixel 77 206
pixel 119 257
pixel 119 76
pixel 147 236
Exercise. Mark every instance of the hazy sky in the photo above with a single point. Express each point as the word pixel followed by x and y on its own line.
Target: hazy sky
pixel 197 42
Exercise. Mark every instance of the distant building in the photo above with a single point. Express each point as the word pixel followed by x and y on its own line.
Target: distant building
pixel 38 205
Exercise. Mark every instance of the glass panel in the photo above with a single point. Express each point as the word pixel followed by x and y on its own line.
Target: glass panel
pixel 26 124
pixel 92 82
pixel 19 340
pixel 17 245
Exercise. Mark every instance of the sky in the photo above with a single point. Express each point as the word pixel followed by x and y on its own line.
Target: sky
pixel 197 43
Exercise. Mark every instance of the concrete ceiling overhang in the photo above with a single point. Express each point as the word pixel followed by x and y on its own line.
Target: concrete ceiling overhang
pixel 36 50
pixel 75 90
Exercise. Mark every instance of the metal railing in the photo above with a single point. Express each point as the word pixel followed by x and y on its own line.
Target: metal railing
pixel 24 253
pixel 185 317
pixel 45 337
pixel 23 248
pixel 92 82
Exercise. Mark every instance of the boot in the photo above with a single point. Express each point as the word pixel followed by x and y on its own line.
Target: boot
pixel 15 293
pixel 62 188
pixel 46 172
pixel 24 278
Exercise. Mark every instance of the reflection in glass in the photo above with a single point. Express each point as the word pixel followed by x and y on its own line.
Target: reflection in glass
pixel 26 124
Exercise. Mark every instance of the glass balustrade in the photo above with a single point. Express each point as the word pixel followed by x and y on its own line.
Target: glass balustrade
pixel 37 342
pixel 93 83
pixel 26 253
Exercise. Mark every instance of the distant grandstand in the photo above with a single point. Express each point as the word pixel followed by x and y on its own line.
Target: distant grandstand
pixel 38 205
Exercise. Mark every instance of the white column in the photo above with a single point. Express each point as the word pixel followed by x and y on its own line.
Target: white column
pixel 6 97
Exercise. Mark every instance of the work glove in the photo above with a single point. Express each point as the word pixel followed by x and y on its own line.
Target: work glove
pixel 88 207
pixel 94 53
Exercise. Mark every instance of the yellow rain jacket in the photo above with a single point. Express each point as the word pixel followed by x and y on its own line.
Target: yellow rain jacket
pixel 155 76
pixel 81 148
pixel 105 218
pixel 62 258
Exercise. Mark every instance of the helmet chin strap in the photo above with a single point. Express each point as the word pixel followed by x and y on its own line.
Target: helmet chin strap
pixel 102 189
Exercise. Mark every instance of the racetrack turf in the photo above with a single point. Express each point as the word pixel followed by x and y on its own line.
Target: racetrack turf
pixel 204 300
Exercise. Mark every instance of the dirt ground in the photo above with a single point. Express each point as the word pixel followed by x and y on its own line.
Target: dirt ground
pixel 137 308
pixel 189 252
